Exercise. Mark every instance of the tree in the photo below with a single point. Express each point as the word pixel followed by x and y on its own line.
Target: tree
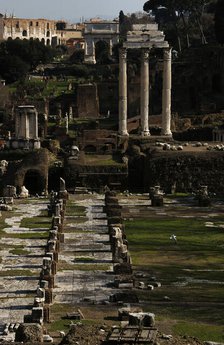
pixel 20 56
pixel 219 21
pixel 12 68
pixel 165 13
pixel 189 12
pixel 77 56
pixel 124 24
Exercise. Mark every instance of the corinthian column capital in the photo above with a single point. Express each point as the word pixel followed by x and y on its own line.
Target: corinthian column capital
pixel 145 55
pixel 123 53
pixel 167 54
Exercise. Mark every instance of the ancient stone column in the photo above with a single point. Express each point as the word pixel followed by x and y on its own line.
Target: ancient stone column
pixel 145 92
pixel 86 48
pixel 27 129
pixel 110 47
pixel 123 92
pixel 166 97
pixel 35 125
pixel 93 52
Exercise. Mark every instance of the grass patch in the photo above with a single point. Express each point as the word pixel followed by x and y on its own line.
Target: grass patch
pixel 36 222
pixel 151 238
pixel 191 271
pixel 58 325
pixel 19 273
pixel 31 235
pixel 201 331
pixel 76 211
pixel 58 311
pixel 19 250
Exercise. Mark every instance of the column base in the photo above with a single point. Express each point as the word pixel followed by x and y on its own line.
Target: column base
pixel 167 133
pixel 145 134
pixel 124 134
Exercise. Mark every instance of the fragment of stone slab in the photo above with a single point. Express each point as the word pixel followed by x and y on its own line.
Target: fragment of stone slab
pixel 142 319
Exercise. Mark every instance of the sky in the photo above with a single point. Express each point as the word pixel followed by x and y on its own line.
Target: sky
pixel 70 10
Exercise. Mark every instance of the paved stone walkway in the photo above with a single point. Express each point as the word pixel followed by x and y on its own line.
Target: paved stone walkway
pixel 87 251
pixel 85 260
pixel 19 274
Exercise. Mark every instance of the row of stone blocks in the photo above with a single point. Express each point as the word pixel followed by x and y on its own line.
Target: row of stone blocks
pixel 44 293
pixel 118 240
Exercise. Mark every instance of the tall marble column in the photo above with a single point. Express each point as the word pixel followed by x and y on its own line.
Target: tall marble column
pixel 123 92
pixel 27 125
pixel 145 92
pixel 166 96
pixel 110 47
pixel 35 125
pixel 93 52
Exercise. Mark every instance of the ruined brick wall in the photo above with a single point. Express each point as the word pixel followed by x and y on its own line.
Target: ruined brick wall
pixel 36 161
pixel 87 101
pixel 185 172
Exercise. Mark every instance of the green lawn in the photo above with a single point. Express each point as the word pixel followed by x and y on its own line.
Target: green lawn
pixel 191 272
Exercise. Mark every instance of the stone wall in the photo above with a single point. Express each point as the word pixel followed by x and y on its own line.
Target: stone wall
pixel 43 29
pixel 184 172
pixel 95 177
pixel 34 164
pixel 87 101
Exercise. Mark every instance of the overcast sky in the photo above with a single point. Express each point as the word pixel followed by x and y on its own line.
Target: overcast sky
pixel 69 9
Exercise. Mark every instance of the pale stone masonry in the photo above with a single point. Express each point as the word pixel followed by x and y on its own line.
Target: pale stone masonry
pixel 26 129
pixel 166 98
pixel 43 29
pixel 123 92
pixel 26 125
pixel 99 30
pixel 144 92
pixel 145 37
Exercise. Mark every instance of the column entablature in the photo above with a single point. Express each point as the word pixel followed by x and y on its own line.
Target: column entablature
pixel 146 37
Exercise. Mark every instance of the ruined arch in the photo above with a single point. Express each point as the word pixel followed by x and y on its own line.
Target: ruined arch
pixel 48 33
pixel 43 40
pixel 93 32
pixel 34 181
pixel 102 50
pixel 24 33
pixel 48 42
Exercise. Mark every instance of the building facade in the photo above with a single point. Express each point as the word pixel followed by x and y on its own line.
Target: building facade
pixel 42 29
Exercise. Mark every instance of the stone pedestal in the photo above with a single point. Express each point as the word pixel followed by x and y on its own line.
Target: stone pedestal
pixel 157 201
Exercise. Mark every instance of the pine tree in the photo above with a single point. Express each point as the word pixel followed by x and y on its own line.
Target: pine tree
pixel 219 21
